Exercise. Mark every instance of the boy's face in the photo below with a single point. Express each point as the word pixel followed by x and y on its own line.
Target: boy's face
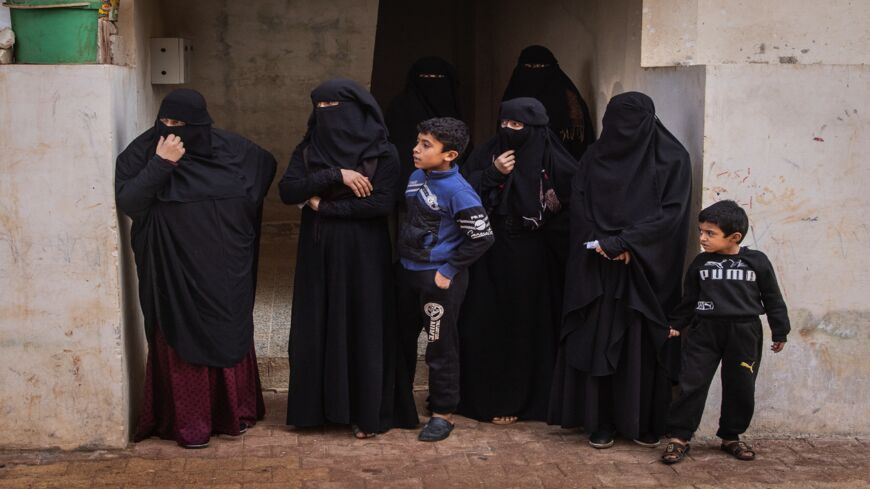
pixel 713 239
pixel 429 153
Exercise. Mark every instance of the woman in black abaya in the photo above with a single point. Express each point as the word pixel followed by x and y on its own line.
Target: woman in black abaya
pixel 344 172
pixel 510 318
pixel 195 235
pixel 431 90
pixel 538 75
pixel 632 196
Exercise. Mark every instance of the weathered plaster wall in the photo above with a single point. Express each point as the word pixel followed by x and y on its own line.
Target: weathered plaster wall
pixel 61 331
pixel 256 63
pixel 706 32
pixel 785 134
pixel 135 105
pixel 797 163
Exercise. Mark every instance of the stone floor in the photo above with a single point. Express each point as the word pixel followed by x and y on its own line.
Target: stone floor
pixel 477 455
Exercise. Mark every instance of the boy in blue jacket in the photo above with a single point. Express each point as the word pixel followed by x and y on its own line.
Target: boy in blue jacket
pixel 444 231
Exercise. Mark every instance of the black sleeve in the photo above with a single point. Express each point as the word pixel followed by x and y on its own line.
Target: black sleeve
pixel 674 201
pixel 297 185
pixel 774 305
pixel 474 222
pixel 267 168
pixel 379 203
pixel 137 185
pixel 684 313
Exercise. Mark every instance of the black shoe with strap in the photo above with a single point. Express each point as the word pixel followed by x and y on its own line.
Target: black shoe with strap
pixel 436 429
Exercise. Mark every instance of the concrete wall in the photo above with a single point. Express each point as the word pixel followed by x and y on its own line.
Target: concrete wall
pixel 797 163
pixel 785 133
pixel 256 63
pixel 62 365
pixel 708 32
pixel 71 341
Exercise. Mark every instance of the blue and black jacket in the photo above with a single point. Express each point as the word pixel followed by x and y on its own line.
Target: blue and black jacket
pixel 446 227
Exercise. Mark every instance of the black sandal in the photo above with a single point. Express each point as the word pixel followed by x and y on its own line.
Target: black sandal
pixel 675 452
pixel 738 449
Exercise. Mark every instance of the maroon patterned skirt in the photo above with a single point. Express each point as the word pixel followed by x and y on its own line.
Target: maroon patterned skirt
pixel 188 403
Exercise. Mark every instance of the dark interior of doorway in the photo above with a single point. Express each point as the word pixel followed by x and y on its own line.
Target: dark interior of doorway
pixel 411 29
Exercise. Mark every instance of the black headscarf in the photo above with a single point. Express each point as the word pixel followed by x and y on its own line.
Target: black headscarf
pixel 631 194
pixel 538 75
pixel 423 98
pixel 541 177
pixel 199 175
pixel 344 135
pixel 622 184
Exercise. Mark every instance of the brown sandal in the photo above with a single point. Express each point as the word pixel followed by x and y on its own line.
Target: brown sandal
pixel 738 449
pixel 675 452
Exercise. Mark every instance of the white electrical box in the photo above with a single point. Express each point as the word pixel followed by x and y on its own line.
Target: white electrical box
pixel 170 60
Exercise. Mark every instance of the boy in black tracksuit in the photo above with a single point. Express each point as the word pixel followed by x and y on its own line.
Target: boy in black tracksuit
pixel 443 232
pixel 726 288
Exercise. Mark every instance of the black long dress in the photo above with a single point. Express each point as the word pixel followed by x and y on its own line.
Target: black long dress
pixel 431 90
pixel 341 337
pixel 538 75
pixel 509 321
pixel 631 194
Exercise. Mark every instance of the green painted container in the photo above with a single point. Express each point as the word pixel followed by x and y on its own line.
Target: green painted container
pixel 54 31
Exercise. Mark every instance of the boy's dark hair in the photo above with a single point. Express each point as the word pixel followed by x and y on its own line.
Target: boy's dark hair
pixel 728 215
pixel 450 132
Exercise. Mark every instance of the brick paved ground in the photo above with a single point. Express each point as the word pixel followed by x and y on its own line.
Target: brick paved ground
pixel 476 455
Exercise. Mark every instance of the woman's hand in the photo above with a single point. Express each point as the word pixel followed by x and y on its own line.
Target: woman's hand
pixel 358 183
pixel 170 148
pixel 625 256
pixel 314 203
pixel 505 162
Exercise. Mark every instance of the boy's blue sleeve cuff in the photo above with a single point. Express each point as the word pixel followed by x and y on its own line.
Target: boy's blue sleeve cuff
pixel 448 270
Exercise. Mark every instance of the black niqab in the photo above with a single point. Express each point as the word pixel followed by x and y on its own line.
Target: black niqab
pixel 346 134
pixel 431 90
pixel 199 176
pixel 623 186
pixel 538 75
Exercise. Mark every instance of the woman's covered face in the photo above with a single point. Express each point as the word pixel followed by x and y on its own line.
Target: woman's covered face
pixel 172 122
pixel 515 125
pixel 330 103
